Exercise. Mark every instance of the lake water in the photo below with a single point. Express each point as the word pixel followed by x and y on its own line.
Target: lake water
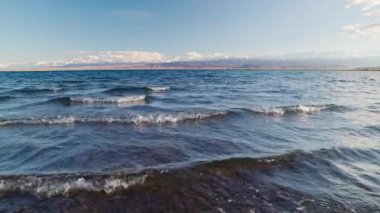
pixel 219 141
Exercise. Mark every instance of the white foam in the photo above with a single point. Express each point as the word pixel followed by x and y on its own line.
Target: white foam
pixel 298 109
pixel 137 119
pixel 159 88
pixel 273 111
pixel 114 184
pixel 68 187
pixel 174 117
pixel 56 186
pixel 40 121
pixel 109 100
pixel 305 109
pixel 63 120
pixel 55 89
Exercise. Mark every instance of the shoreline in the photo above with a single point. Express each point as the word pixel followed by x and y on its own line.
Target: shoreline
pixel 197 69
pixel 217 186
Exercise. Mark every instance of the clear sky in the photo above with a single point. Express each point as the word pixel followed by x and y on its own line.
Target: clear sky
pixel 47 30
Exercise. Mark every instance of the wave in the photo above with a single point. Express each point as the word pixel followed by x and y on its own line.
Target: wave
pixel 54 89
pixel 176 117
pixel 297 109
pixel 108 100
pixel 164 118
pixel 158 88
pixel 69 184
pixel 120 101
pixel 283 183
pixel 59 120
pixel 328 159
pixel 27 90
pixel 118 90
pixel 66 185
pixel 154 118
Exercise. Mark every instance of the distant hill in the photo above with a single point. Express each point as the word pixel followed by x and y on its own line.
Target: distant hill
pixel 368 69
pixel 307 63
pixel 273 63
pixel 235 63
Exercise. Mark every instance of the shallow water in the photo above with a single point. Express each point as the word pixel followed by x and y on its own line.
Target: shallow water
pixel 308 141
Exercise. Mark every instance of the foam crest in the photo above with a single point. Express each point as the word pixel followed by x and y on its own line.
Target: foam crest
pixel 135 119
pixel 39 121
pixel 298 109
pixel 62 120
pixel 109 100
pixel 176 117
pixel 54 89
pixel 158 88
pixel 65 186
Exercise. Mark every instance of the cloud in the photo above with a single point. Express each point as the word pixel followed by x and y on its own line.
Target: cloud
pixel 109 58
pixel 4 66
pixel 369 7
pixel 372 13
pixel 106 57
pixel 88 58
pixel 363 30
pixel 195 56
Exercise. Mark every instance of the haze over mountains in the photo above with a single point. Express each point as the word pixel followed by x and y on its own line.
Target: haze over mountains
pixel 154 60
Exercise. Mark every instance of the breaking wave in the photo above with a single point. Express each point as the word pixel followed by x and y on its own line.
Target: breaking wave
pixel 297 109
pixel 158 88
pixel 59 120
pixel 108 100
pixel 176 117
pixel 66 185
pixel 156 118
pixel 164 118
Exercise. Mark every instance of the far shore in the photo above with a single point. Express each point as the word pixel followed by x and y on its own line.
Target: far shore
pixel 105 68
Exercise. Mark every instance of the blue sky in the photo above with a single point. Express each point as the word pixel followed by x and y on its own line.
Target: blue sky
pixel 45 31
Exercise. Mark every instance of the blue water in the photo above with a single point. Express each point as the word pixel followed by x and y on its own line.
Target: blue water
pixel 104 122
